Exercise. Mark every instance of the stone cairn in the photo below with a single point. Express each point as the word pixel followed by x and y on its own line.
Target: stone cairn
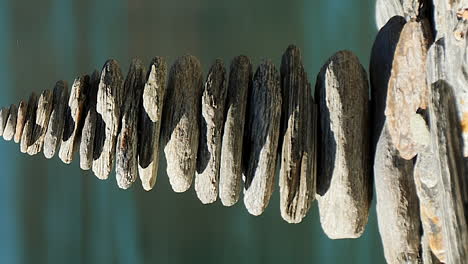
pixel 224 133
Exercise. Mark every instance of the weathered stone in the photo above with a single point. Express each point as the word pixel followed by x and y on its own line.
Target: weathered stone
pixel 150 122
pixel 299 130
pixel 407 87
pixel 54 133
pixel 108 107
pixel 343 178
pixel 386 9
pixel 89 127
pixel 397 203
pixel 29 123
pixel 3 119
pixel 126 164
pixel 73 119
pixel 181 127
pixel 212 124
pixel 44 108
pixel 262 132
pixel 10 127
pixel 230 178
pixel 20 120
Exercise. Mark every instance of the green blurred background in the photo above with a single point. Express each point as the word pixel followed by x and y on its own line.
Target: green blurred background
pixel 55 213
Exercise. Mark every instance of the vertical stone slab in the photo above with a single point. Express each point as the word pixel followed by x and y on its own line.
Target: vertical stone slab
pixel 89 126
pixel 407 87
pixel 44 108
pixel 126 165
pixel 181 127
pixel 3 119
pixel 29 123
pixel 20 121
pixel 230 178
pixel 212 124
pixel 54 133
pixel 108 107
pixel 151 112
pixel 10 127
pixel 298 161
pixel 343 178
pixel 397 202
pixel 261 137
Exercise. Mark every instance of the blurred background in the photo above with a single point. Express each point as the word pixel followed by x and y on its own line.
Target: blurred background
pixel 56 213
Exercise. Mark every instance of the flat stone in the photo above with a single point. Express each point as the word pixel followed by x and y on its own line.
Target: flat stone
pixel 29 123
pixel 230 177
pixel 212 124
pixel 3 119
pixel 20 120
pixel 181 124
pixel 44 109
pixel 54 133
pixel 89 126
pixel 126 164
pixel 150 122
pixel 10 127
pixel 262 131
pixel 343 178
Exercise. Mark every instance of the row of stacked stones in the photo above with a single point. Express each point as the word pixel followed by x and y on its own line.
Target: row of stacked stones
pixel 226 132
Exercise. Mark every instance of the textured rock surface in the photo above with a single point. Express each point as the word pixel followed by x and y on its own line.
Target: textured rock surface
pixel 343 178
pixel 386 9
pixel 407 87
pixel 74 115
pixel 108 107
pixel 230 178
pixel 150 122
pixel 298 150
pixel 262 131
pixel 126 164
pixel 89 127
pixel 212 124
pixel 181 124
pixel 28 123
pixel 397 203
pixel 10 127
pixel 44 108
pixel 445 187
pixel 3 119
pixel 20 120
pixel 54 133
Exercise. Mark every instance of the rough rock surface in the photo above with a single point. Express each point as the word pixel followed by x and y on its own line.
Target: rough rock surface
pixel 230 178
pixel 44 108
pixel 181 124
pixel 89 127
pixel 262 131
pixel 10 127
pixel 343 178
pixel 22 112
pixel 212 124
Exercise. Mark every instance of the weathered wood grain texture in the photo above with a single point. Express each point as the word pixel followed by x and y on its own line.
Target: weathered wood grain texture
pixel 386 9
pixel 73 119
pixel 54 133
pixel 212 124
pixel 407 87
pixel 10 127
pixel 44 108
pixel 297 175
pixel 262 131
pixel 29 123
pixel 343 178
pixel 108 107
pixel 452 183
pixel 89 126
pixel 126 164
pixel 21 119
pixel 181 124
pixel 397 203
pixel 449 57
pixel 3 119
pixel 151 111
pixel 230 178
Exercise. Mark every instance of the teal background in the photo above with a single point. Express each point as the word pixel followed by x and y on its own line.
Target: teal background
pixel 56 213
